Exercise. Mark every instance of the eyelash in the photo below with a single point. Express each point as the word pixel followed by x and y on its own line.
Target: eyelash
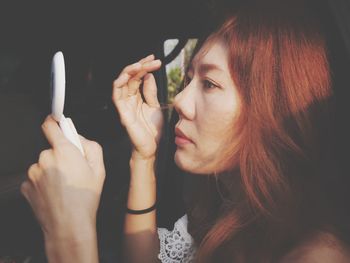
pixel 187 80
pixel 207 84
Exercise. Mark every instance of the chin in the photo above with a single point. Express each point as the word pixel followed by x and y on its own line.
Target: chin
pixel 180 162
pixel 188 165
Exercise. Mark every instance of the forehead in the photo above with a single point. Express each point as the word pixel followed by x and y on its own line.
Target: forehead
pixel 212 52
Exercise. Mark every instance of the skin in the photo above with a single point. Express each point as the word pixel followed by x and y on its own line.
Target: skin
pixel 64 187
pixel 207 108
pixel 143 121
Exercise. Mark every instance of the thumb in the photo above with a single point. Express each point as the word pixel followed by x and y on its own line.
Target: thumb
pixel 94 155
pixel 52 132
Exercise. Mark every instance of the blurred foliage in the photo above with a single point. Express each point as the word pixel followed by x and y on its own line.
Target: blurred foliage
pixel 175 77
pixel 176 74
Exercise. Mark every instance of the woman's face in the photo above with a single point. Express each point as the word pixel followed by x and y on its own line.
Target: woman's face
pixel 207 109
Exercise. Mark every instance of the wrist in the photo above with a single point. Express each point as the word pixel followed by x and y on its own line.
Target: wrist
pixel 142 173
pixel 142 166
pixel 136 157
pixel 71 233
pixel 78 245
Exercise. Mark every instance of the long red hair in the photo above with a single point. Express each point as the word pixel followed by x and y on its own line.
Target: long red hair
pixel 254 213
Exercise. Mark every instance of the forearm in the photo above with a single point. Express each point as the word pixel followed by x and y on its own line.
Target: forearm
pixel 141 240
pixel 72 247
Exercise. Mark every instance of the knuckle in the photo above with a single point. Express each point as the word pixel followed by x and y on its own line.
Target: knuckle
pixel 132 67
pixel 44 156
pixel 43 126
pixel 31 168
pixel 135 81
pixel 103 174
pixel 32 174
pixel 115 96
pixel 31 177
pixel 115 82
pixel 127 68
pixel 96 147
pixel 65 145
pixel 45 123
pixel 24 188
pixel 64 149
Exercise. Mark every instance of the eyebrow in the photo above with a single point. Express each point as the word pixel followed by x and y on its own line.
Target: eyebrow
pixel 204 68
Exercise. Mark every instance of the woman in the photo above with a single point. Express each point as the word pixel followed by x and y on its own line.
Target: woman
pixel 253 122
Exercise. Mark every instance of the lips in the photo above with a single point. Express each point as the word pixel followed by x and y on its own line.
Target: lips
pixel 181 138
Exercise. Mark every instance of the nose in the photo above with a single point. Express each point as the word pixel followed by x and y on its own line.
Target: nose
pixel 184 103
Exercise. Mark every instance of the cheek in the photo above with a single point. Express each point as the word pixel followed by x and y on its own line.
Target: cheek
pixel 215 130
pixel 213 136
pixel 215 125
pixel 204 156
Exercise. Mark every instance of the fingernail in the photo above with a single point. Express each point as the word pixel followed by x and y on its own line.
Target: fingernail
pixel 155 62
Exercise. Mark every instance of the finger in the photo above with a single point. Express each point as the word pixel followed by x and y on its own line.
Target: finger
pixel 52 132
pixel 26 189
pixel 75 134
pixel 133 86
pixel 117 92
pixel 33 173
pixel 46 159
pixel 122 79
pixel 132 69
pixel 125 91
pixel 135 82
pixel 137 71
pixel 150 90
pixel 93 154
pixel 127 84
pixel 120 87
pixel 126 74
pixel 146 59
pixel 148 67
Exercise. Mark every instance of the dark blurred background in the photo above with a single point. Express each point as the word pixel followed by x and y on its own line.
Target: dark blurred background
pixel 98 39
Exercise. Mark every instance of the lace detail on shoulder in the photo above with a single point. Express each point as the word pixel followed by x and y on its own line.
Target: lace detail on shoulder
pixel 176 246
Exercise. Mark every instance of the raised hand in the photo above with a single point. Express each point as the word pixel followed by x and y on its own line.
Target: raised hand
pixel 142 118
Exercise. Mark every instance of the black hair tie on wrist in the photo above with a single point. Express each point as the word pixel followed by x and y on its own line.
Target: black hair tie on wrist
pixel 140 212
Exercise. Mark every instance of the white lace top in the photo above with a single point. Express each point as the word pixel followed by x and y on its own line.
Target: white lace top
pixel 176 246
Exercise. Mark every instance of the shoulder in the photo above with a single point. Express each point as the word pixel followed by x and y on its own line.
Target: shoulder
pixel 322 247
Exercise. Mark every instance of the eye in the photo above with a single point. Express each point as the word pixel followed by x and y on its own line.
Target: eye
pixel 209 85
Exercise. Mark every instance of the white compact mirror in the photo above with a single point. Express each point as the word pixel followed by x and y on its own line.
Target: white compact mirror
pixel 58 88
pixel 58 85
